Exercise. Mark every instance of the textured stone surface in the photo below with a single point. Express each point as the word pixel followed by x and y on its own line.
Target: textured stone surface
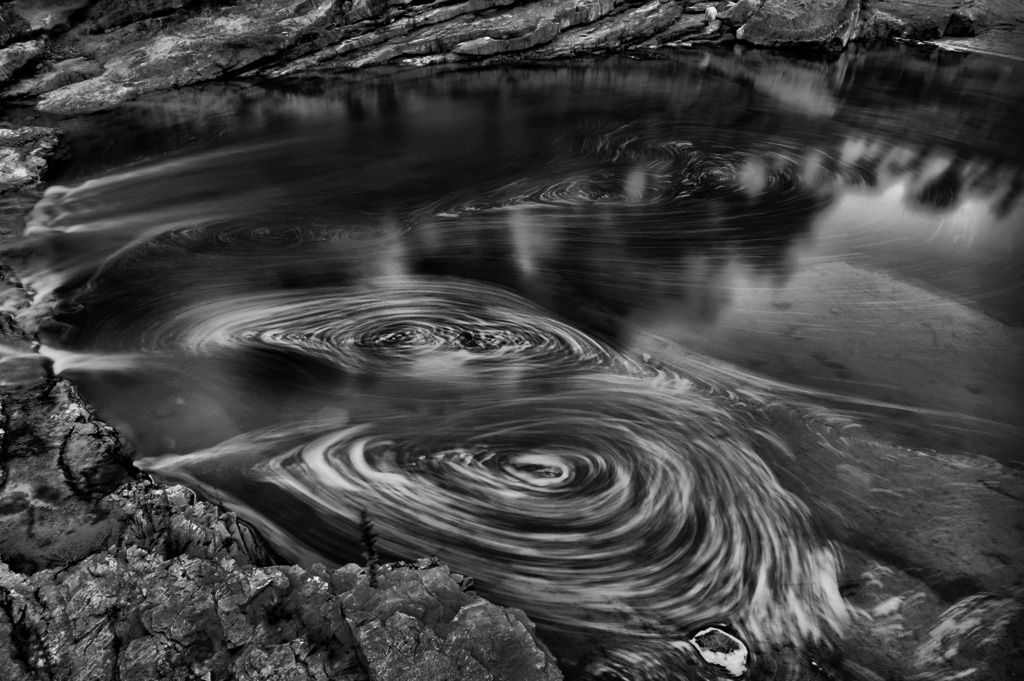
pixel 17 56
pixel 12 25
pixel 122 48
pixel 186 592
pixel 48 15
pixel 87 96
pixel 24 154
pixel 778 23
pixel 58 75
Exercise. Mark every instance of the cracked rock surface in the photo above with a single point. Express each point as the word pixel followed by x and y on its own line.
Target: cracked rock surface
pixel 187 592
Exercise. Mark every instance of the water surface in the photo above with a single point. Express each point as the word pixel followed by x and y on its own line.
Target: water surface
pixel 641 344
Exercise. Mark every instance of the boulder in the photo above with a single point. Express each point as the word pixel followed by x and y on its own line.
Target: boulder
pixel 790 23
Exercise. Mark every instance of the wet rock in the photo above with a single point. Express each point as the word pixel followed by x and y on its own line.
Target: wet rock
pixel 788 23
pixel 24 155
pixel 17 56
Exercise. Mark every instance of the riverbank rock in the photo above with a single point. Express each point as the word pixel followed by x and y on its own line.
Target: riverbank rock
pixel 93 56
pixel 24 154
pixel 787 23
pixel 186 589
pixel 17 56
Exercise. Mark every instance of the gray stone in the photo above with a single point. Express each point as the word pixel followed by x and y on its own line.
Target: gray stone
pixel 62 73
pixel 12 25
pixel 48 15
pixel 175 599
pixel 107 14
pixel 789 23
pixel 24 155
pixel 87 96
pixel 18 55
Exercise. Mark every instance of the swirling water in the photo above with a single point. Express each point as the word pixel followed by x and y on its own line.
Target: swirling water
pixel 636 343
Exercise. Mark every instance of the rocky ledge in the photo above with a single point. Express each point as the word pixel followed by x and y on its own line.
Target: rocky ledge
pixel 80 56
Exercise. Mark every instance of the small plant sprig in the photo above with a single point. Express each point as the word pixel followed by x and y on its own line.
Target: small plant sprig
pixel 369 537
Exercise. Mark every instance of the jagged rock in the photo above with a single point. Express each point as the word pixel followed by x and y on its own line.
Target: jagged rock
pixel 24 154
pixel 153 54
pixel 180 596
pixel 781 23
pixel 18 55
pixel 58 462
pixel 420 625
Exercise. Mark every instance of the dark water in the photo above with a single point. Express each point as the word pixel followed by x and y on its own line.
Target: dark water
pixel 598 333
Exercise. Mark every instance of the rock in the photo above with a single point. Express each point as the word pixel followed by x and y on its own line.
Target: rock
pixel 12 25
pixel 107 14
pixel 421 625
pixel 878 25
pixel 739 12
pixel 963 22
pixel 788 23
pixel 165 602
pixel 17 56
pixel 87 96
pixel 62 73
pixel 913 19
pixel 48 15
pixel 158 54
pixel 24 154
pixel 630 27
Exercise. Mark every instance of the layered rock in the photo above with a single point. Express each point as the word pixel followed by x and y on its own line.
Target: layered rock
pixel 96 55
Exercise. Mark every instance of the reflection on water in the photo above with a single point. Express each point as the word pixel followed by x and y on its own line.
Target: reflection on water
pixel 632 342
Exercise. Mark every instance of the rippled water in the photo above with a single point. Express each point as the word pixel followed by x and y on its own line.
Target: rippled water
pixel 641 344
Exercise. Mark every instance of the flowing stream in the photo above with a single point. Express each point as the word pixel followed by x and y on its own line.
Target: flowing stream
pixel 641 344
